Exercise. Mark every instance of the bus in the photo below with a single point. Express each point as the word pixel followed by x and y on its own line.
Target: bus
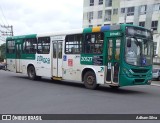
pixel 116 55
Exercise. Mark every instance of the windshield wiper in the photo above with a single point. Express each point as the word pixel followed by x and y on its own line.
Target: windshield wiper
pixel 136 41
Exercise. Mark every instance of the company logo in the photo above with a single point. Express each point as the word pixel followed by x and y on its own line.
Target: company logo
pixel 44 60
pixel 114 34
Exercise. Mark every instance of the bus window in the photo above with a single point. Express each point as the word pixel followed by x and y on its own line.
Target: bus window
pixel 118 41
pixel 73 44
pixel 43 45
pixel 30 46
pixel 110 49
pixel 94 43
pixel 60 50
pixel 11 47
pixel 54 50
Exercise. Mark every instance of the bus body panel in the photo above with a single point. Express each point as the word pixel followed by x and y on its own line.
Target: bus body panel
pixel 99 72
pixel 25 64
pixel 42 64
pixel 11 64
pixel 71 66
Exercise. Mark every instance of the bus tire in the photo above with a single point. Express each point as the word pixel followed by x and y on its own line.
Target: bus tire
pixel 90 80
pixel 31 73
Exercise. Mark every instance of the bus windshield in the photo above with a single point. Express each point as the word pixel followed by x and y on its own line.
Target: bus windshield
pixel 138 51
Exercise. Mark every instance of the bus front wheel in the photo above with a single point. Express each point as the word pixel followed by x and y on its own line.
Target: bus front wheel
pixel 90 80
pixel 31 73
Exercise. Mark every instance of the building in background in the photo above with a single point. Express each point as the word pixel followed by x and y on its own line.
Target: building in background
pixel 144 13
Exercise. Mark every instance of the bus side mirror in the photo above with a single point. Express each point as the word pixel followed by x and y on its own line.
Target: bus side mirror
pixel 128 42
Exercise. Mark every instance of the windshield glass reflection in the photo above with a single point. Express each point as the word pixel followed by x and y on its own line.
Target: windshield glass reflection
pixel 138 51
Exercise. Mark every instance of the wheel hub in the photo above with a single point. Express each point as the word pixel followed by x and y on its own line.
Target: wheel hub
pixel 90 80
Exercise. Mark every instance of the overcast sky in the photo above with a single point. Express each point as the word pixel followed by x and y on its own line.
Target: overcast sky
pixel 40 16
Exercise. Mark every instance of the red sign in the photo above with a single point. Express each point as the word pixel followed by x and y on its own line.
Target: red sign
pixel 70 62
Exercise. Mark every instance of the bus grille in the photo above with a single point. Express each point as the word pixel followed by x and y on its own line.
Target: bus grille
pixel 140 70
pixel 139 80
pixel 142 76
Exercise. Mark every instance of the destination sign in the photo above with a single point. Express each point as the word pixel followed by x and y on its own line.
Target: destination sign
pixel 136 31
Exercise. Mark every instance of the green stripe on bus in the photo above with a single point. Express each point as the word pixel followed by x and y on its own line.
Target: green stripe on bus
pixel 21 37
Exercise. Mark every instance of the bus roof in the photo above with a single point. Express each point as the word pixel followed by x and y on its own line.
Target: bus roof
pixel 67 32
pixel 76 31
pixel 107 28
pixel 85 30
pixel 101 29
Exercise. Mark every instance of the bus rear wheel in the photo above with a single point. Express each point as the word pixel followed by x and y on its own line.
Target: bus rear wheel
pixel 31 73
pixel 90 80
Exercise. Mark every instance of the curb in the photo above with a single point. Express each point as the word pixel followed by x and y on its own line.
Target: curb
pixel 155 85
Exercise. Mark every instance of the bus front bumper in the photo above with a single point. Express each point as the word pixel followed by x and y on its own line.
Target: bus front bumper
pixel 127 81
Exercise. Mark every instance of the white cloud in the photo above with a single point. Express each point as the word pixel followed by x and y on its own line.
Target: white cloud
pixel 40 16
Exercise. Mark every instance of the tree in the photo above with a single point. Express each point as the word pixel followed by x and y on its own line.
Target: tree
pixel 2 52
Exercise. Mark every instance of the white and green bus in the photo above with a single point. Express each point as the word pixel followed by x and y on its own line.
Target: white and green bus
pixel 117 55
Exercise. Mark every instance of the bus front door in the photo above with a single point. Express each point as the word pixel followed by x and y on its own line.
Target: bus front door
pixel 57 59
pixel 113 61
pixel 18 57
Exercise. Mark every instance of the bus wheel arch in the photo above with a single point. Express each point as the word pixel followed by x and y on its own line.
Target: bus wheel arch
pixel 31 72
pixel 89 78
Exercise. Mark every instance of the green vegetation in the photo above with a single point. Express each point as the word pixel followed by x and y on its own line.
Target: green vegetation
pixel 2 52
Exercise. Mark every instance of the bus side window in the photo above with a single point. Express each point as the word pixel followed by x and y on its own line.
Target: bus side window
pixel 30 46
pixel 73 44
pixel 99 41
pixel 43 45
pixel 10 47
pixel 93 43
pixel 87 43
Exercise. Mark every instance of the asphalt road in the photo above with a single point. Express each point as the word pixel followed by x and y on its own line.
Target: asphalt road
pixel 20 95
